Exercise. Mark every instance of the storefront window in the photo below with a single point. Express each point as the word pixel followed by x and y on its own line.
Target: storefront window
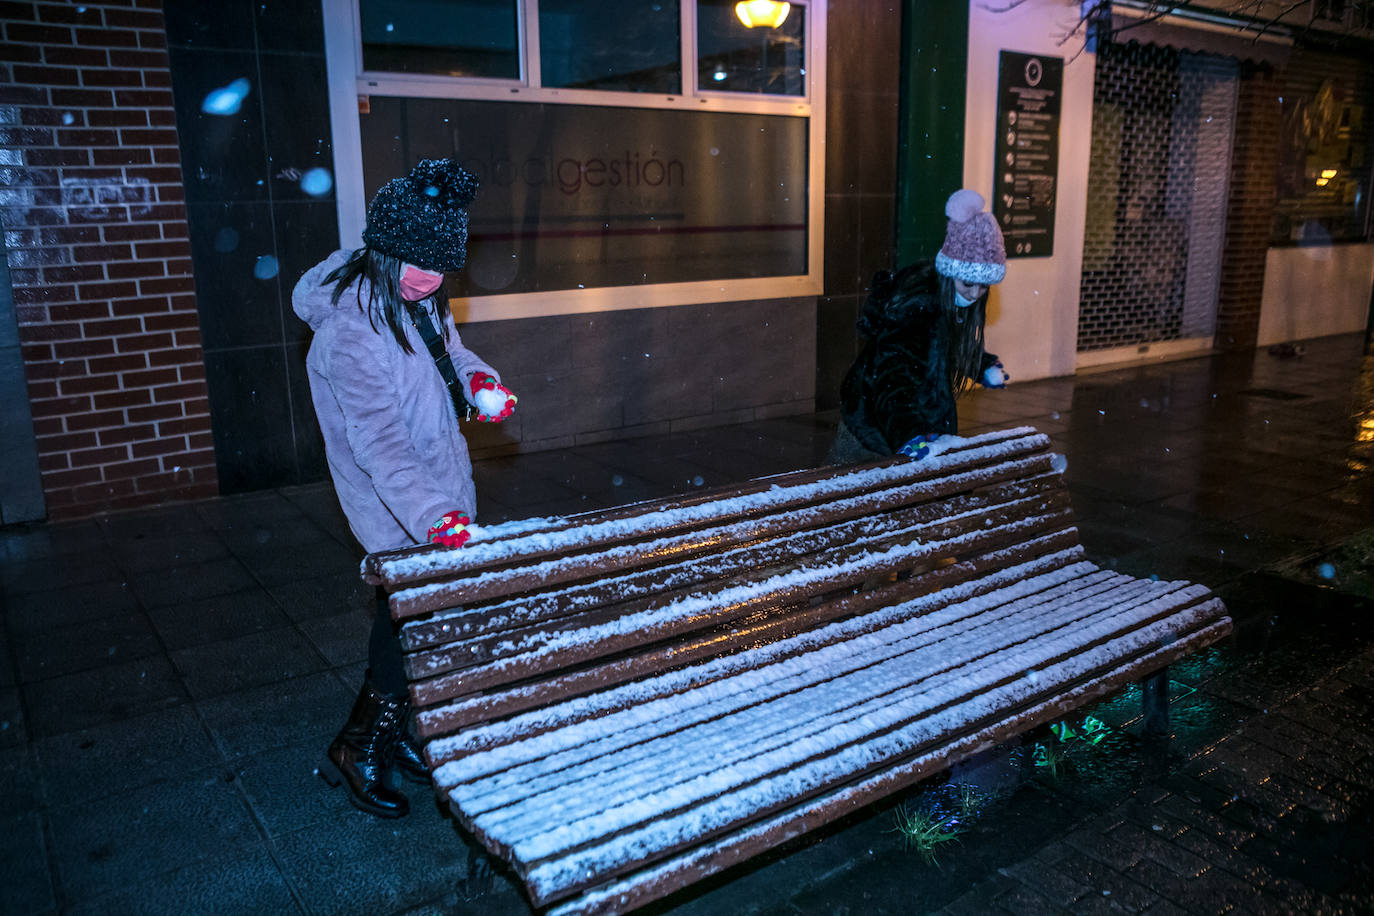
pixel 1324 161
pixel 576 196
pixel 617 169
pixel 733 57
pixel 614 45
pixel 468 38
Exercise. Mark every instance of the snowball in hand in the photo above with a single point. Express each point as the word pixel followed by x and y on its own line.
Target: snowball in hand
pixel 994 377
pixel 490 401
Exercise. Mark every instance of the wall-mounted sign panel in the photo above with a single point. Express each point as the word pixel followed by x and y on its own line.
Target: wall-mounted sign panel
pixel 576 196
pixel 1030 89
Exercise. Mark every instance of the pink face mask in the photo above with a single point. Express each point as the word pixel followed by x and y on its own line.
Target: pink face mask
pixel 417 284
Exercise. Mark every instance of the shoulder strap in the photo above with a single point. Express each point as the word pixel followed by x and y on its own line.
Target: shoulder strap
pixel 419 316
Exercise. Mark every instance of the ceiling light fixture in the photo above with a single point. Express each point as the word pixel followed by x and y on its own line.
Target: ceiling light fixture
pixel 766 13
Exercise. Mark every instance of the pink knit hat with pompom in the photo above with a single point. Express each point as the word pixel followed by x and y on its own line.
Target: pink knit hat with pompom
pixel 973 250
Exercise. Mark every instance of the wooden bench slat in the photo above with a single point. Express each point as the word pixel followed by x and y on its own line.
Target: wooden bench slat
pixel 786 478
pixel 481 584
pixel 507 543
pixel 584 866
pixel 791 696
pixel 549 607
pixel 1036 575
pixel 714 856
pixel 398 568
pixel 845 682
pixel 546 651
pixel 782 553
pixel 586 719
pixel 608 630
pixel 617 717
pixel 502 614
pixel 1028 559
pixel 406 568
pixel 840 707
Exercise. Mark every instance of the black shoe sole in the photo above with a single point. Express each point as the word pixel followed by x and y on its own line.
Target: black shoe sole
pixel 329 772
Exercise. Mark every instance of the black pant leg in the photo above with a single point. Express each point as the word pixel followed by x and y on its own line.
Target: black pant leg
pixel 384 652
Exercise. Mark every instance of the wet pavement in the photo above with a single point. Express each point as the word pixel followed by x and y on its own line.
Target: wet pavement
pixel 168 679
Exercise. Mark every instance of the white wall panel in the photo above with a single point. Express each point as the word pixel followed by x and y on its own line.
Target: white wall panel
pixel 1033 315
pixel 1315 292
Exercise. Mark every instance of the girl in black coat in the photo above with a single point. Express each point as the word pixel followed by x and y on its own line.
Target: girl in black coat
pixel 924 330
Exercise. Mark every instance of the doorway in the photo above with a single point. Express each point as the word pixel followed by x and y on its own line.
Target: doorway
pixel 1158 182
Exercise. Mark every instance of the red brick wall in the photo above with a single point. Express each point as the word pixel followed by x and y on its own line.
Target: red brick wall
pixel 1249 209
pixel 95 228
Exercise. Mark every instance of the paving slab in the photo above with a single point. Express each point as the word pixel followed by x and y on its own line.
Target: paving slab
pixel 89 764
pixel 27 886
pixel 277 714
pixel 242 879
pixel 101 695
pixel 217 618
pixel 138 835
pixel 217 668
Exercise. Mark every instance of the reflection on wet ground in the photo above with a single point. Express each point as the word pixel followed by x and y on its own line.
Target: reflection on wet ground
pixel 168 678
pixel 1100 799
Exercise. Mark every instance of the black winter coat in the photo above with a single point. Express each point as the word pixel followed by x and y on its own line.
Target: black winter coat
pixel 899 387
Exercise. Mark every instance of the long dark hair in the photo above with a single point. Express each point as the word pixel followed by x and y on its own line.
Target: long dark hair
pixel 963 327
pixel 898 297
pixel 384 305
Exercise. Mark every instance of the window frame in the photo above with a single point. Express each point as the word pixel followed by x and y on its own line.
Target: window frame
pixel 349 84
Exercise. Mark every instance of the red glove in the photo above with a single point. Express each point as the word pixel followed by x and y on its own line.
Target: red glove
pixel 493 407
pixel 451 530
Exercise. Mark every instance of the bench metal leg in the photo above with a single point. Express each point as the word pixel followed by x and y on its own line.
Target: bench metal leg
pixel 1156 699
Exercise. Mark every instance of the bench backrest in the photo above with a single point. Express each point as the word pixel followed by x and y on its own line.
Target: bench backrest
pixel 551 609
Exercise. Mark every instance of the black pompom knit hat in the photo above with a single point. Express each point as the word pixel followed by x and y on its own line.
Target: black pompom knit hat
pixel 422 218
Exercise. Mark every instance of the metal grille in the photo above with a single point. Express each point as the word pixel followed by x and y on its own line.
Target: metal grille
pixel 1157 189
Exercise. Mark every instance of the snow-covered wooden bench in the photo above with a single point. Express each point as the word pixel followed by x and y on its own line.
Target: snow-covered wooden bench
pixel 624 702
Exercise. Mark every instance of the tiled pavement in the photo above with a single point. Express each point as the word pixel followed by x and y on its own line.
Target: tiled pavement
pixel 169 677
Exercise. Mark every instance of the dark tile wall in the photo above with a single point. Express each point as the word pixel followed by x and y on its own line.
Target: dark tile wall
pixel 254 230
pixel 863 67
pixel 613 375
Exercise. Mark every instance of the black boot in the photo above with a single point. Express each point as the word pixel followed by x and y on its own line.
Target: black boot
pixel 405 753
pixel 362 753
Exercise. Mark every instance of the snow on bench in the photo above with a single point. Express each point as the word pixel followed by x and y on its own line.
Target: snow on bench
pixel 622 703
